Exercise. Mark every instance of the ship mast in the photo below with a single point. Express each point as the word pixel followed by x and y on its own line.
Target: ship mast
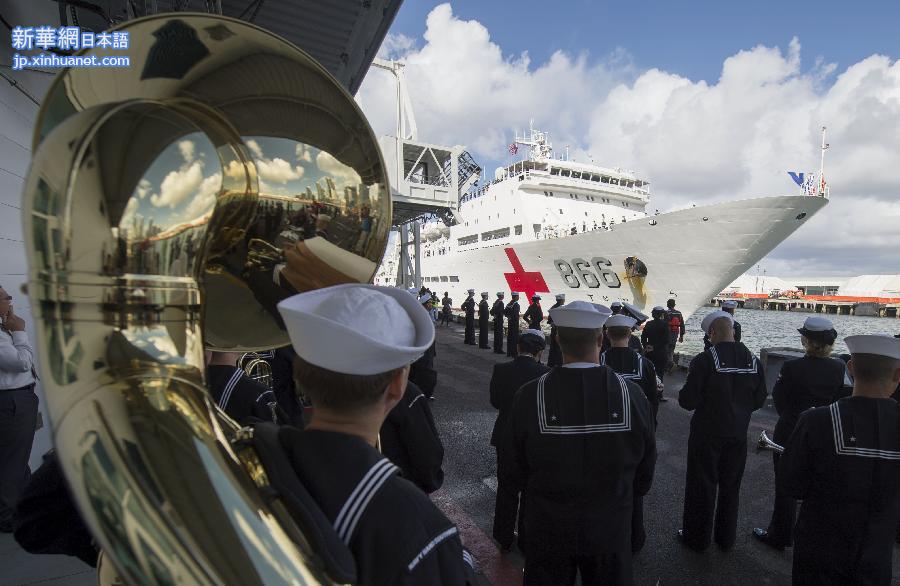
pixel 822 185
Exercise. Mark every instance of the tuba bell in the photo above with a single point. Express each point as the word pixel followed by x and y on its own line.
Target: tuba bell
pixel 764 443
pixel 256 367
pixel 158 224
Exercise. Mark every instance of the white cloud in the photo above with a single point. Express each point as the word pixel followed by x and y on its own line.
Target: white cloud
pixel 255 148
pixel 278 170
pixel 187 148
pixel 697 140
pixel 178 185
pixel 143 188
pixel 205 198
pixel 341 174
pixel 303 153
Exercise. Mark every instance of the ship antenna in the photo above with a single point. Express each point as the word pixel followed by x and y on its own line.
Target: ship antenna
pixel 822 184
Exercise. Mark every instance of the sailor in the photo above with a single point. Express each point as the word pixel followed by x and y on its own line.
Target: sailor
pixel 676 330
pixel 633 367
pixel 240 397
pixel 484 313
pixel 843 462
pixel 582 444
pixel 468 306
pixel 497 314
pixel 411 441
pixel 512 324
pixel 422 372
pixel 627 309
pixel 446 309
pixel 555 356
pixel 655 338
pixel 506 379
pixel 727 306
pixel 534 315
pixel 815 380
pixel 615 307
pixel 395 533
pixel 725 385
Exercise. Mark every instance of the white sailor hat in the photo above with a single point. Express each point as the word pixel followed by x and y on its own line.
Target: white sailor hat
pixel 484 293
pixel 878 344
pixel 620 320
pixel 470 291
pixel 634 312
pixel 709 319
pixel 413 291
pixel 578 314
pixel 534 334
pixel 515 293
pixel 357 329
pixel 730 304
pixel 602 309
pixel 616 304
pixel 560 296
pixel 536 296
pixel 816 326
pixel 500 294
pixel 425 298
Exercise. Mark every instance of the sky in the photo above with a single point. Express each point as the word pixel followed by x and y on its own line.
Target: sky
pixel 711 101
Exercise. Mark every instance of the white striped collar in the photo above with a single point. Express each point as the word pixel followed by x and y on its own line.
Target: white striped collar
pixel 431 545
pixel 752 369
pixel 546 428
pixel 638 364
pixel 353 509
pixel 229 388
pixel 842 449
pixel 580 365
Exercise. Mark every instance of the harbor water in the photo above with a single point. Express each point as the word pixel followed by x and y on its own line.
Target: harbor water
pixel 767 329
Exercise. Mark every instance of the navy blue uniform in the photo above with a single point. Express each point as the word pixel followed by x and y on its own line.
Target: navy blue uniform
pixel 469 307
pixel 484 314
pixel 555 357
pixel 512 328
pixel 497 314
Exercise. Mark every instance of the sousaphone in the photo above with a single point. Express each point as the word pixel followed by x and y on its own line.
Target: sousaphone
pixel 169 206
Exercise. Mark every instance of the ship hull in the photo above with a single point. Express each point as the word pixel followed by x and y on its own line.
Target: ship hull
pixel 690 255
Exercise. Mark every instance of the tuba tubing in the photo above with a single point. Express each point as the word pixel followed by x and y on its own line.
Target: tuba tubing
pixel 134 271
pixel 764 443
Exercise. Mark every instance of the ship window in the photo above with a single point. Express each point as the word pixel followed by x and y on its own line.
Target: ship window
pixel 576 174
pixel 454 279
pixel 604 179
pixel 595 178
pixel 518 230
pixel 536 228
pixel 560 210
pixel 494 234
pixel 565 173
pixel 554 170
pixel 444 279
pixel 585 213
pixel 468 240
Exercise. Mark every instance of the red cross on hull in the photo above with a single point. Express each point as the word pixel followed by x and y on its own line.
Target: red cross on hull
pixel 527 283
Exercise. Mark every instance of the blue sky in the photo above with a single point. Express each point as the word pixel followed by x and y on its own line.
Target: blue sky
pixel 689 37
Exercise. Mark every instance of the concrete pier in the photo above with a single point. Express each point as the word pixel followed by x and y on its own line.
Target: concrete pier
pixel 861 308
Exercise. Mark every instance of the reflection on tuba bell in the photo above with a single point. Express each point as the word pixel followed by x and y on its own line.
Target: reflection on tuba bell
pixel 256 367
pixel 764 443
pixel 140 206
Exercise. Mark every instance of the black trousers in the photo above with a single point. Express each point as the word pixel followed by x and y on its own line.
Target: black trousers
pixel 18 417
pixel 555 357
pixel 713 464
pixel 470 330
pixel 507 509
pixel 784 515
pixel 445 318
pixel 512 340
pixel 595 570
pixel 498 336
pixel 638 534
pixel 483 333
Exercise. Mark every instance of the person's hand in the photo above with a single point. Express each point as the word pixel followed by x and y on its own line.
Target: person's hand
pixel 13 322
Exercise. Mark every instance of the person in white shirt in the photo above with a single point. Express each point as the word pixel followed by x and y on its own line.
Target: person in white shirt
pixel 18 408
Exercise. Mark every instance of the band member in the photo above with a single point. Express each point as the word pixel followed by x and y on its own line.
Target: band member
pixel 512 324
pixel 635 368
pixel 725 385
pixel 395 533
pixel 812 381
pixel 676 330
pixel 628 310
pixel 843 462
pixel 582 444
pixel 555 356
pixel 484 314
pixel 506 379
pixel 411 441
pixel 241 397
pixel 446 309
pixel 422 372
pixel 728 307
pixel 534 315
pixel 468 306
pixel 497 314
pixel 655 339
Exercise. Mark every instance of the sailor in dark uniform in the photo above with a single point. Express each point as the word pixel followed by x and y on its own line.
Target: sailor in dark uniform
pixel 396 534
pixel 635 368
pixel 655 339
pixel 468 306
pixel 629 310
pixel 512 324
pixel 728 307
pixel 675 319
pixel 411 441
pixel 484 314
pixel 843 462
pixel 240 397
pixel 534 315
pixel 497 314
pixel 554 358
pixel 815 380
pixel 422 372
pixel 505 381
pixel 582 444
pixel 725 385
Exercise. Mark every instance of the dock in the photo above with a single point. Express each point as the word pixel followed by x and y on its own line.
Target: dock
pixel 833 307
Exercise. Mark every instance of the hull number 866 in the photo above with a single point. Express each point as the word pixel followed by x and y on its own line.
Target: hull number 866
pixel 581 272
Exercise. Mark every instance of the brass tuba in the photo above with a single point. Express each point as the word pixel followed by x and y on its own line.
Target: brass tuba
pixel 256 367
pixel 169 206
pixel 764 443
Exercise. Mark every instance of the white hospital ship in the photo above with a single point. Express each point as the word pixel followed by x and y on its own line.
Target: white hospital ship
pixel 547 225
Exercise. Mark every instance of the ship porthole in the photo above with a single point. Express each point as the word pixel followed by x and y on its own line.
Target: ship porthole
pixel 652 222
pixel 705 219
pixel 801 215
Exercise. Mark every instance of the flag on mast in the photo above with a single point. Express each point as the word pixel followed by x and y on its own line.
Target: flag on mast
pixel 513 148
